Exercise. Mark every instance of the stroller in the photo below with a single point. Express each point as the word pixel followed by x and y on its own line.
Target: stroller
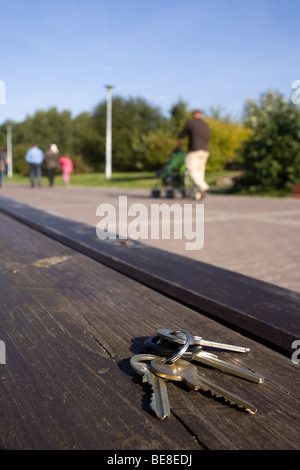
pixel 173 177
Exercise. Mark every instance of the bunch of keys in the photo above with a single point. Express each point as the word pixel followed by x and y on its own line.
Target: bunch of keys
pixel 183 347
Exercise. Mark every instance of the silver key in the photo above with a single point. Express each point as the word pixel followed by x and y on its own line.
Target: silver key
pixel 163 347
pixel 159 398
pixel 213 361
pixel 178 337
pixel 188 373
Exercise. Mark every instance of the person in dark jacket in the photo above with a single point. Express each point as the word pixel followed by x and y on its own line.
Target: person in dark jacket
pixel 198 133
pixel 51 162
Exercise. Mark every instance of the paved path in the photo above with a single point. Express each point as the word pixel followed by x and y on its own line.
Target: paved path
pixel 258 237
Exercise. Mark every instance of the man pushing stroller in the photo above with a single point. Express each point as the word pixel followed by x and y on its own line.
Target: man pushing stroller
pixel 198 133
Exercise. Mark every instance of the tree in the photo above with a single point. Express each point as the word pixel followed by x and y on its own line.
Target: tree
pixel 88 141
pixel 271 156
pixel 226 141
pixel 142 138
pixel 159 145
pixel 44 128
pixel 132 120
pixel 180 114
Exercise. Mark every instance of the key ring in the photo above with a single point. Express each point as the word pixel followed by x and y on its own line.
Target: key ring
pixel 186 345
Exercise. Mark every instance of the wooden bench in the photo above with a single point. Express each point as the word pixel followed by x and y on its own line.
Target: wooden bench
pixel 74 310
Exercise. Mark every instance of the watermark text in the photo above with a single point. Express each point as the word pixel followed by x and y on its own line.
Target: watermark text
pixel 296 94
pixel 157 222
pixel 296 354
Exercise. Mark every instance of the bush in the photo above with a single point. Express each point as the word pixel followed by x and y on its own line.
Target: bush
pixel 19 163
pixel 79 165
pixel 226 141
pixel 271 157
pixel 158 147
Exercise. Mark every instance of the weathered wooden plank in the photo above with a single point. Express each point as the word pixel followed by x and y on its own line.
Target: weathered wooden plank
pixel 60 389
pixel 71 327
pixel 262 311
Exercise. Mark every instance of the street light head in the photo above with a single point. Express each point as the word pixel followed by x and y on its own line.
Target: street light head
pixel 109 87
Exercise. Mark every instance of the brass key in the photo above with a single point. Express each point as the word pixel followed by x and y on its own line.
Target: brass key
pixel 159 398
pixel 186 372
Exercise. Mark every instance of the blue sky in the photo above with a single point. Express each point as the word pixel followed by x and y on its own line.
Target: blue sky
pixel 215 53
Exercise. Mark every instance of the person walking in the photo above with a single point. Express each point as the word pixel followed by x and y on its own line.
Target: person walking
pixel 51 162
pixel 35 157
pixel 3 162
pixel 198 133
pixel 67 168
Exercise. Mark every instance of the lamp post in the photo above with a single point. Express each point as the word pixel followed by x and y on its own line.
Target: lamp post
pixel 9 152
pixel 108 160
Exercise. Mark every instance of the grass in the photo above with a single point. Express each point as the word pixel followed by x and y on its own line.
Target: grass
pixel 122 180
pixel 133 180
pixel 138 180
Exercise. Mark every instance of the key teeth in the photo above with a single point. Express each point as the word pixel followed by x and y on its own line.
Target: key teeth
pixel 228 400
pixel 147 379
pixel 232 403
pixel 159 405
pixel 152 402
pixel 159 413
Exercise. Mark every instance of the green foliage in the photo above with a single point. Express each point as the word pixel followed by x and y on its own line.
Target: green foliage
pixel 142 138
pixel 179 115
pixel 271 156
pixel 44 128
pixel 132 121
pixel 89 140
pixel 158 147
pixel 19 164
pixel 3 136
pixel 225 143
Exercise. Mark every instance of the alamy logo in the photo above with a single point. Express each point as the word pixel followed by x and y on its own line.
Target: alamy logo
pixel 296 94
pixel 138 222
pixel 2 92
pixel 296 354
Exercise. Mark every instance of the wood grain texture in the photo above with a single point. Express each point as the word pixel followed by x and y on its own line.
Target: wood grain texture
pixel 259 310
pixel 70 328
